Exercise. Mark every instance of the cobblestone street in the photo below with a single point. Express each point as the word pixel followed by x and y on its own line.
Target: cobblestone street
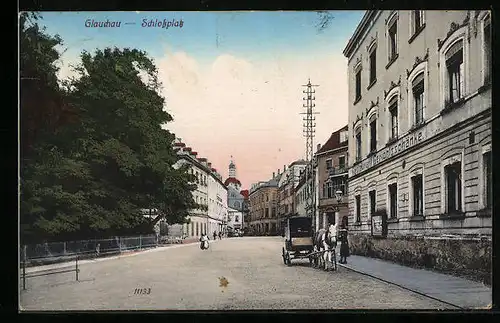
pixel 187 278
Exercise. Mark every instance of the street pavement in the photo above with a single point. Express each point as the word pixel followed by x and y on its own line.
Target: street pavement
pixel 236 273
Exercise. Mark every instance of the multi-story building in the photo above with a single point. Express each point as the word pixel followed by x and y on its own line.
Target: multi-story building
pixel 210 195
pixel 289 180
pixel 332 179
pixel 263 207
pixel 301 193
pixel 420 134
pixel 235 220
pixel 245 209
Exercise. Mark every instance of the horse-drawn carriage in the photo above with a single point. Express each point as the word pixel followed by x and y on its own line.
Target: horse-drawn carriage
pixel 298 239
pixel 301 242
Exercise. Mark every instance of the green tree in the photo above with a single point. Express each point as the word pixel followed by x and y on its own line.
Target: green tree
pixel 43 110
pixel 122 141
pixel 103 155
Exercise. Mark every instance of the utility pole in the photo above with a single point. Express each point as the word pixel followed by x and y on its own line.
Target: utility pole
pixel 308 131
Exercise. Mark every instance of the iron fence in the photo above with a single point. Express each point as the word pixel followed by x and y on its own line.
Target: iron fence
pixel 69 251
pixel 53 250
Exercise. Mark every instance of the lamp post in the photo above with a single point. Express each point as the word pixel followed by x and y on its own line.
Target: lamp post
pixel 338 196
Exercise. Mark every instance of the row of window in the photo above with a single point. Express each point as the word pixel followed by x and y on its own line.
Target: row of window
pixel 341 164
pixel 452 191
pixel 333 185
pixel 264 213
pixel 417 19
pixel 303 194
pixel 200 178
pixel 453 83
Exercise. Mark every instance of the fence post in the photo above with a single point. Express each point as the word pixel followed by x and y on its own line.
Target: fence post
pixel 76 264
pixel 24 267
pixel 140 242
pixel 120 244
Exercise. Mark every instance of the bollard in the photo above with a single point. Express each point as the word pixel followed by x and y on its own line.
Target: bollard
pixel 76 264
pixel 140 242
pixel 64 248
pixel 24 267
pixel 120 244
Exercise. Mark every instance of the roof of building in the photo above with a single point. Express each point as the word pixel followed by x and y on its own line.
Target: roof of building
pixel 333 142
pixel 232 180
pixel 244 193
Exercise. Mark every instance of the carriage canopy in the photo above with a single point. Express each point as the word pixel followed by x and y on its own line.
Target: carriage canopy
pixel 298 227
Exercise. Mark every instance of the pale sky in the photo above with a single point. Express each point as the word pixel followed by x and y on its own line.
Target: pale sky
pixel 232 80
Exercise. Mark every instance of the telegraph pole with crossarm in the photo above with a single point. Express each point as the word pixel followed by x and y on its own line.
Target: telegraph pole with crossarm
pixel 308 131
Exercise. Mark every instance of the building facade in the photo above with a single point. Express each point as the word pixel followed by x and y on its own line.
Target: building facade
pixel 235 220
pixel 263 207
pixel 300 193
pixel 420 136
pixel 287 184
pixel 210 195
pixel 332 179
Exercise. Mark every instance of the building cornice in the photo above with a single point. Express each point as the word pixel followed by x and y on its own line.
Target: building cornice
pixel 331 151
pixel 192 160
pixel 360 32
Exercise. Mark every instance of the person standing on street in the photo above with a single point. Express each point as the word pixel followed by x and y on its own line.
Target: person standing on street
pixel 344 245
pixel 220 235
pixel 215 235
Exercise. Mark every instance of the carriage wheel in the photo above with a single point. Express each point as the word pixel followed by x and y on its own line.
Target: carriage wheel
pixel 288 259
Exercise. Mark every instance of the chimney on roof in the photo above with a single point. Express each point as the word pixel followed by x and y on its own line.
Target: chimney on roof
pixel 318 147
pixel 274 175
pixel 279 171
pixel 284 168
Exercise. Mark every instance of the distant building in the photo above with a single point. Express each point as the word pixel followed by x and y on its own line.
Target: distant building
pixel 331 170
pixel 211 195
pixel 263 207
pixel 301 193
pixel 289 180
pixel 235 220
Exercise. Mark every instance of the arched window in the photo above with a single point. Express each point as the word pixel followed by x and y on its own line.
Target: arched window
pixel 358 143
pixel 454 54
pixel 416 199
pixel 372 131
pixel 392 38
pixel 452 182
pixel 417 94
pixel 392 104
pixel 417 23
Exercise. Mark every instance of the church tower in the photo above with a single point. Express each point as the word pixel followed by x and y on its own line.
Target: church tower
pixel 232 180
pixel 232 169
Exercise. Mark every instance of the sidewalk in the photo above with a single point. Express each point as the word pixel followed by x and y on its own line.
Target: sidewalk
pixel 456 291
pixel 71 264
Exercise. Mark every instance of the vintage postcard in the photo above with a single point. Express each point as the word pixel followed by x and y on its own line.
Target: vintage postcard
pixel 255 160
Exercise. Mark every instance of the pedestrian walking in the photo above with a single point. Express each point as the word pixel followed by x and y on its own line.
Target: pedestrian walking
pixel 220 235
pixel 344 246
pixel 215 235
pixel 204 241
pixel 97 249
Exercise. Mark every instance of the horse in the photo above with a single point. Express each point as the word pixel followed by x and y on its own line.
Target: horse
pixel 325 241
